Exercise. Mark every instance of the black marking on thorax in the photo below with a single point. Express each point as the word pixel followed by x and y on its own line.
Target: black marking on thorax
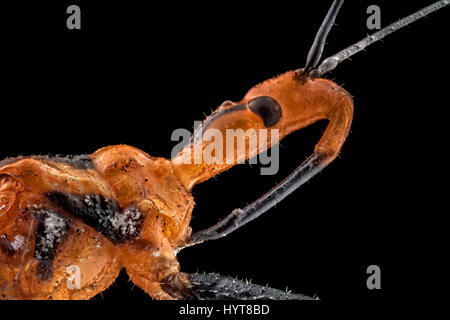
pixel 102 214
pixel 51 229
pixel 83 161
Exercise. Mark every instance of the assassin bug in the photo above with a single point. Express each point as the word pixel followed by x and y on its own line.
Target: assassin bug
pixel 120 207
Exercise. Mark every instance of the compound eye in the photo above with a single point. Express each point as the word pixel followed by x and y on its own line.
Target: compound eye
pixel 267 108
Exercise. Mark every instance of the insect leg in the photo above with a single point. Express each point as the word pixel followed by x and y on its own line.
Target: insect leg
pixel 325 151
pixel 213 286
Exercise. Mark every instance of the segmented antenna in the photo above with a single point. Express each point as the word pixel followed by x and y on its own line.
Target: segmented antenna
pixel 332 62
pixel 315 53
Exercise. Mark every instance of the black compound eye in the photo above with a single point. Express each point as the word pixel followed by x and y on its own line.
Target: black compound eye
pixel 267 109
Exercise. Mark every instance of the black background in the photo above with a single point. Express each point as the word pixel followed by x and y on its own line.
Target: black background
pixel 139 70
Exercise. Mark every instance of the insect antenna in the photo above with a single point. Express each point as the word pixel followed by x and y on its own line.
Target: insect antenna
pixel 332 62
pixel 315 52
